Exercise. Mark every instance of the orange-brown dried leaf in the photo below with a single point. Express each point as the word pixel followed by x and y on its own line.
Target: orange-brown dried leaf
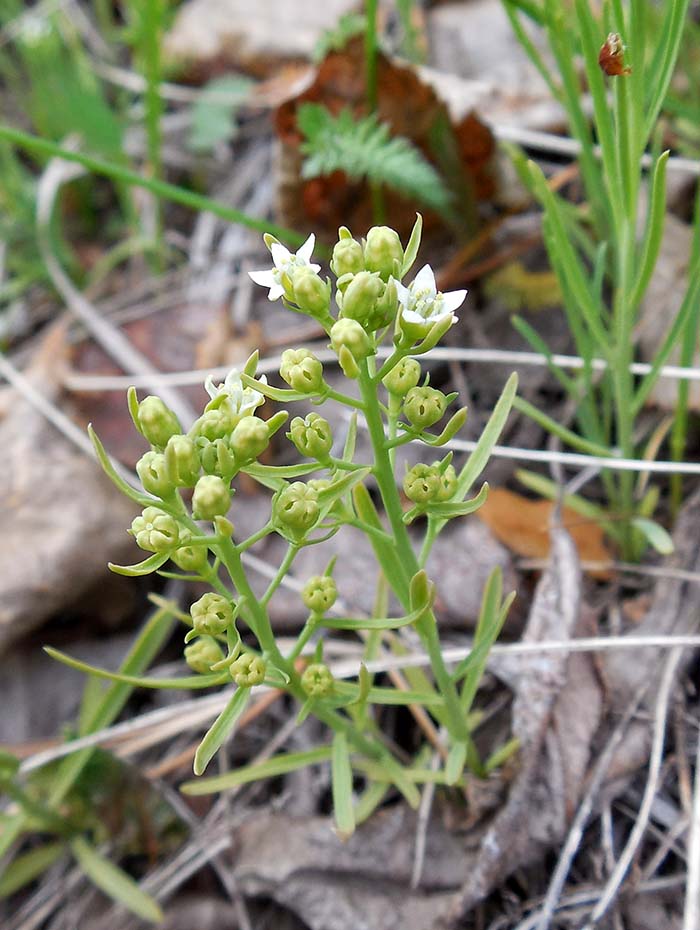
pixel 522 525
pixel 412 109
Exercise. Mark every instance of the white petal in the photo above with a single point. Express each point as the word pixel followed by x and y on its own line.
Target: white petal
pixel 280 255
pixel 410 316
pixel 209 386
pixel 264 278
pixel 314 268
pixel 453 299
pixel 424 280
pixel 304 253
pixel 276 291
pixel 403 294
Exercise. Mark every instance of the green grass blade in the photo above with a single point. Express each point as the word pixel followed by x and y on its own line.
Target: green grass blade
pixel 220 730
pixel 114 882
pixel 30 865
pixel 278 765
pixel 653 233
pixel 341 783
pixel 190 682
pixel 476 462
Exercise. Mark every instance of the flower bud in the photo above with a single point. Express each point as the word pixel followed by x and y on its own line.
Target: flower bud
pixel 211 498
pixel 212 614
pixel 248 670
pixel 202 654
pixel 424 406
pixel 319 594
pixel 191 558
pixel 250 438
pixel 312 436
pixel 317 680
pixel 156 421
pixel 358 300
pixel 422 484
pixel 302 371
pixel 385 308
pixel 156 531
pixel 448 484
pixel 154 476
pixel 402 377
pixel 182 461
pixel 384 252
pixel 216 457
pixel 348 334
pixel 216 422
pixel 295 509
pixel 347 257
pixel 311 294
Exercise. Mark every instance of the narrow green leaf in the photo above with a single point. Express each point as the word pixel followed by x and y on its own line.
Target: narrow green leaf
pixel 142 499
pixel 190 682
pixel 653 233
pixel 341 782
pixel 456 761
pixel 350 439
pixel 115 883
pixel 220 730
pixel 278 765
pixel 502 754
pixel 656 535
pixel 279 394
pixel 411 252
pixel 393 696
pixel 476 462
pixel 147 567
pixel 369 800
pixel 30 865
pixel 450 510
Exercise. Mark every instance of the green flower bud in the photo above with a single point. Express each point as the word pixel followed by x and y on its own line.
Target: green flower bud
pixel 317 680
pixel 154 476
pixel 212 614
pixel 295 509
pixel 182 461
pixel 312 436
pixel 384 252
pixel 448 484
pixel 350 335
pixel 319 594
pixel 202 654
pixel 156 531
pixel 311 294
pixel 422 484
pixel 302 371
pixel 358 300
pixel 402 377
pixel 248 670
pixel 347 258
pixel 211 498
pixel 216 457
pixel 385 308
pixel 193 559
pixel 156 421
pixel 424 406
pixel 250 438
pixel 216 422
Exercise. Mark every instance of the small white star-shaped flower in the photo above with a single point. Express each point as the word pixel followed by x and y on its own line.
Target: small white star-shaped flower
pixel 422 303
pixel 285 262
pixel 243 400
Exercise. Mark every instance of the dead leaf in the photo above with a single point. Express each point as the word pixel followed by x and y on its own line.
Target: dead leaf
pixel 412 108
pixel 523 525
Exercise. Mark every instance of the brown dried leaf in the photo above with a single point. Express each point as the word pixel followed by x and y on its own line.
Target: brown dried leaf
pixel 411 107
pixel 523 525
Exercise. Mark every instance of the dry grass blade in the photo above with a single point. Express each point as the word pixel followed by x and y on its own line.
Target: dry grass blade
pixel 691 916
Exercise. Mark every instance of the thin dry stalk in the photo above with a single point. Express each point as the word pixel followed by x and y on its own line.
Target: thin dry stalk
pixel 691 916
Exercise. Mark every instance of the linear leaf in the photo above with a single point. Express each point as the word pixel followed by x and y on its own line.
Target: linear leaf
pixel 220 730
pixel 270 768
pixel 341 782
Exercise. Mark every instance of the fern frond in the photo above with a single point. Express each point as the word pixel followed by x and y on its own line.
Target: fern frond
pixel 365 150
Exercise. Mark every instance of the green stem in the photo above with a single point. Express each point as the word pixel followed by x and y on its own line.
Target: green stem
pixel 285 565
pixel 162 189
pixel 151 32
pixel 406 561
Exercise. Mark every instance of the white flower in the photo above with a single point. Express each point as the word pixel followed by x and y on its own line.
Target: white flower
pixel 243 400
pixel 285 263
pixel 421 302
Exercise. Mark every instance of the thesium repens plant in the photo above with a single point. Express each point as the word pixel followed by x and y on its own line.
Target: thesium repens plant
pixel 230 642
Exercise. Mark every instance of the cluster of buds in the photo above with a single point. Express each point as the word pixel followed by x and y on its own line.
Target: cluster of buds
pixel 369 296
pixel 431 484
